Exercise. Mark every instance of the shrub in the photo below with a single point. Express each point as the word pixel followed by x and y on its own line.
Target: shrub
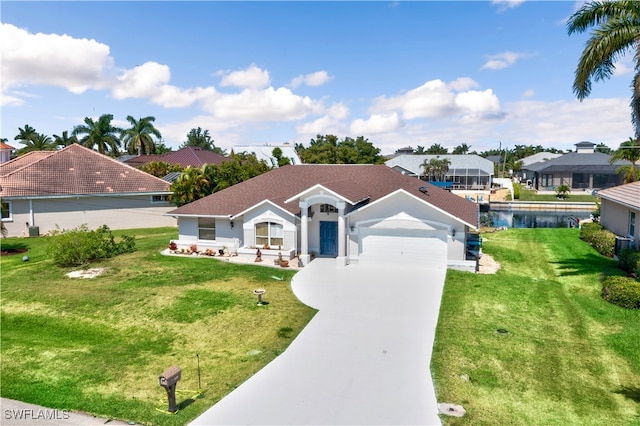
pixel 79 246
pixel 602 240
pixel 516 192
pixel 562 191
pixel 622 291
pixel 588 229
pixel 629 261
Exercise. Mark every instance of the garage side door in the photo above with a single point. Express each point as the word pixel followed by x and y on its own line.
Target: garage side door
pixel 404 247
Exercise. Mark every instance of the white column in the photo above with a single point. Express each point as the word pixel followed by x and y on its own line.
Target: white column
pixel 342 257
pixel 304 233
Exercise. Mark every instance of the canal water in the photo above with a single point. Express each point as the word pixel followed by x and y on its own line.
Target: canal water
pixel 533 218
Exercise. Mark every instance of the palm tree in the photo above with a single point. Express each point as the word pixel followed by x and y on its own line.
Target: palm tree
pixel 617 32
pixel 139 137
pixel 25 134
pixel 64 140
pixel 436 168
pixel 101 134
pixel 194 183
pixel 37 142
pixel 628 151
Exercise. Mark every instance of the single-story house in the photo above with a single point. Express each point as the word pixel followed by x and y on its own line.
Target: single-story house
pixel 524 174
pixel 620 212
pixel 354 213
pixel 466 172
pixel 583 169
pixel 43 190
pixel 265 153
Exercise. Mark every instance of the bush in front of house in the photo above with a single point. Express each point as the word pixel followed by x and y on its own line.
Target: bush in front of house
pixel 629 261
pixel 516 191
pixel 602 240
pixel 622 291
pixel 79 246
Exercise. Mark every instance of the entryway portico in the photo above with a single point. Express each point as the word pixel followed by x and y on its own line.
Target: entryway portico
pixel 318 226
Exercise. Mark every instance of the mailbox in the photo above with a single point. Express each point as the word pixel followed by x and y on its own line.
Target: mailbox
pixel 170 376
pixel 168 380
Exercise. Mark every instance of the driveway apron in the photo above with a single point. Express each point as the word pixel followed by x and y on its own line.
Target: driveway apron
pixel 363 359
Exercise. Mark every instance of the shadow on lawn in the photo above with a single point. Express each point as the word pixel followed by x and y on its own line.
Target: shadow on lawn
pixel 630 392
pixel 588 264
pixel 7 249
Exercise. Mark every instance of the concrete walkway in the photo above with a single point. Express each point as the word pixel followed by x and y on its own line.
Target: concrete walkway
pixel 363 359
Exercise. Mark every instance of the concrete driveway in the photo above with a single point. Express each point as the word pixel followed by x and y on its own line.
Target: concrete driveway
pixel 363 359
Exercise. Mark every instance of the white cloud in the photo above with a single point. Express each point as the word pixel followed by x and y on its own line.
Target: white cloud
pixel 529 93
pixel 262 105
pixel 143 81
pixel 251 78
pixel 376 124
pixel 435 99
pixel 506 4
pixel 476 103
pixel 51 59
pixel 502 60
pixel 315 79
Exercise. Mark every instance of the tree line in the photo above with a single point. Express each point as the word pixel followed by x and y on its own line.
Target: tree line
pixel 141 137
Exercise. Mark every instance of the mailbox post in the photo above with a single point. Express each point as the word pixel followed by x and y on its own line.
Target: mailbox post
pixel 168 380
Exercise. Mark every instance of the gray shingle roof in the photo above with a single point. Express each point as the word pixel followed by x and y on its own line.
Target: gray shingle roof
pixel 188 156
pixel 74 170
pixel 595 162
pixel 353 182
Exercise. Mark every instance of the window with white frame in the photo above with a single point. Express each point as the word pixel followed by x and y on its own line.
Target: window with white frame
pixel 206 228
pixel 269 234
pixel 6 211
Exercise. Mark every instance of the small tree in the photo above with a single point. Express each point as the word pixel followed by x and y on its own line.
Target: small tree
pixel 562 191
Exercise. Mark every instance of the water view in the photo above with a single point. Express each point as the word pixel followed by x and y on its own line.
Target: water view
pixel 533 219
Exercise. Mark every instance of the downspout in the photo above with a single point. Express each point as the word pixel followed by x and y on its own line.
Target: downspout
pixel 31 215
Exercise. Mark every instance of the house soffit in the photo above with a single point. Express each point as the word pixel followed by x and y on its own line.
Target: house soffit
pixel 318 191
pixel 260 204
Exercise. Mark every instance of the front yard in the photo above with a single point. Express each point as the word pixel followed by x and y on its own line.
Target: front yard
pixel 535 344
pixel 98 345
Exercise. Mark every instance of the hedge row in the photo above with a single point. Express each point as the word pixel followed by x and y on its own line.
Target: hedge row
pixel 600 239
pixel 629 261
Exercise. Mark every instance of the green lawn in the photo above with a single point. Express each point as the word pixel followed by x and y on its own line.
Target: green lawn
pixel 532 195
pixel 567 358
pixel 99 345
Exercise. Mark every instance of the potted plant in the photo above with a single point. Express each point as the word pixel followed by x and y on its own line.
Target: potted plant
pixel 173 246
pixel 282 262
pixel 194 248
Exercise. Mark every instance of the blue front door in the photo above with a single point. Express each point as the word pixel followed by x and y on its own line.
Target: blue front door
pixel 328 238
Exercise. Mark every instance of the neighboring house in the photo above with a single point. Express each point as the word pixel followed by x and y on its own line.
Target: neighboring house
pixel 539 157
pixel 620 211
pixel 189 156
pixel 43 190
pixel 466 172
pixel 583 169
pixel 354 213
pixel 5 152
pixel 265 153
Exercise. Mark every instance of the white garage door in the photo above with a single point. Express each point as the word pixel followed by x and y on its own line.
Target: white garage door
pixel 404 247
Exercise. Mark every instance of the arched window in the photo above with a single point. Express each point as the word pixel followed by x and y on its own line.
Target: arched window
pixel 270 234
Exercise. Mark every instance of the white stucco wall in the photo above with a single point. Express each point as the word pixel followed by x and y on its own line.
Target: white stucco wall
pixel 403 203
pixel 225 234
pixel 270 213
pixel 67 213
pixel 615 217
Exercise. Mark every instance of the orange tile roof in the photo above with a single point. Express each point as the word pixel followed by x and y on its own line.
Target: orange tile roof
pixel 74 170
pixel 5 146
pixel 353 182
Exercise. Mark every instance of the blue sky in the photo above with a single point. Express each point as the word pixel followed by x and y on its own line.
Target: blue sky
pixel 401 74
